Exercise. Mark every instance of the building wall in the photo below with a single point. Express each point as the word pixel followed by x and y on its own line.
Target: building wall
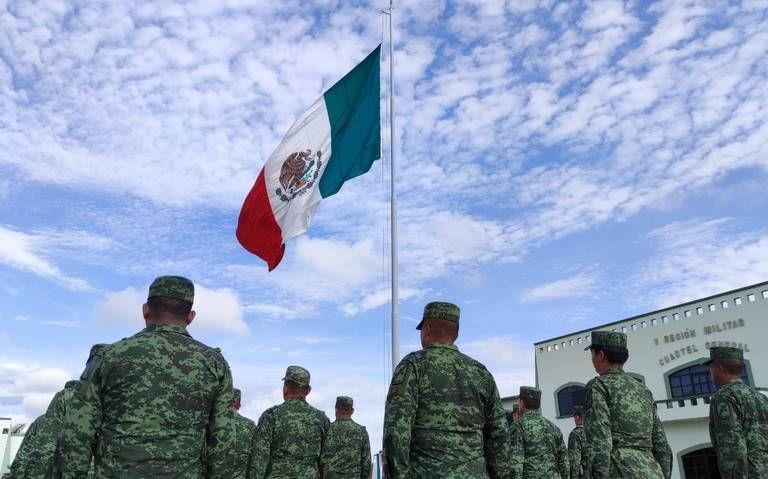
pixel 9 444
pixel 5 443
pixel 661 343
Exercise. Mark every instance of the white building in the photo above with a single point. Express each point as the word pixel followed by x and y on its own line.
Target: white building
pixel 10 440
pixel 665 351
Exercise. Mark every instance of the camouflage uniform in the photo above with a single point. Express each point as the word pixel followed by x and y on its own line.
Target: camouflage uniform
pixel 244 431
pixel 738 425
pixel 622 429
pixel 577 450
pixel 443 415
pixel 289 437
pixel 538 449
pixel 158 404
pixel 34 458
pixel 347 453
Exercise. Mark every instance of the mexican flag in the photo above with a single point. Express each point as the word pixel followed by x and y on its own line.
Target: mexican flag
pixel 336 139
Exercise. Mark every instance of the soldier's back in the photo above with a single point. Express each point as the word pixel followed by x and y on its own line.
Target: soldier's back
pixel 542 442
pixel 244 431
pixel 631 413
pixel 157 390
pixel 577 454
pixel 296 433
pixel 751 409
pixel 343 447
pixel 454 392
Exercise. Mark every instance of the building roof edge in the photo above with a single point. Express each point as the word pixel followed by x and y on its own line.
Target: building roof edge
pixel 764 283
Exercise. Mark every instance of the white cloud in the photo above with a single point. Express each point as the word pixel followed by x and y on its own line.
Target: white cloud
pixel 26 252
pixel 696 259
pixel 572 287
pixel 29 388
pixel 217 309
pixel 377 299
pixel 62 324
pixel 339 261
pixel 272 311
pixel 510 360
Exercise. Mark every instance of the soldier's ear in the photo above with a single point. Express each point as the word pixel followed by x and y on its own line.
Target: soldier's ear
pixel 191 317
pixel 145 311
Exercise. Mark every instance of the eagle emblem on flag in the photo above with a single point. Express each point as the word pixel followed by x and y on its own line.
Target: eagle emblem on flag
pixel 298 174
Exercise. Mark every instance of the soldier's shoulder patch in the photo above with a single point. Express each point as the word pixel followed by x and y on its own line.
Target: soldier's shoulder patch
pixel 723 410
pixel 404 367
pixel 398 377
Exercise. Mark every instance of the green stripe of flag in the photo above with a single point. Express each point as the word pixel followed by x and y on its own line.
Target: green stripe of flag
pixel 355 116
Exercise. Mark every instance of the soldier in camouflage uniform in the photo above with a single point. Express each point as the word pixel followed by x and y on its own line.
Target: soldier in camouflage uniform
pixel 622 429
pixel 157 404
pixel 577 448
pixel 443 415
pixel 347 453
pixel 245 429
pixel 738 418
pixel 538 449
pixel 290 437
pixel 34 459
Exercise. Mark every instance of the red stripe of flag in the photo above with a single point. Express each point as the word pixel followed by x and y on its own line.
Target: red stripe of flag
pixel 257 229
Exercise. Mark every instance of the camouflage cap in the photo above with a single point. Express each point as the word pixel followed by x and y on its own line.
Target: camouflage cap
pixel 608 339
pixel 71 384
pixel 578 411
pixel 297 375
pixel 344 401
pixel 440 310
pixel 236 394
pixel 174 287
pixel 530 393
pixel 723 352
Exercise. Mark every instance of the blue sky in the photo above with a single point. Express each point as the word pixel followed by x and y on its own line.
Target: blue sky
pixel 561 165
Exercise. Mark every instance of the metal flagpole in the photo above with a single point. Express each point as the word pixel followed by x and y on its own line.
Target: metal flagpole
pixel 393 197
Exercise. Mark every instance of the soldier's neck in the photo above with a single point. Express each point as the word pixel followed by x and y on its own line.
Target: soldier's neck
pixel 612 369
pixel 289 396
pixel 165 321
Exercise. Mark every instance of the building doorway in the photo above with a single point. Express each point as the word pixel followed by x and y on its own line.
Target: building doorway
pixel 701 464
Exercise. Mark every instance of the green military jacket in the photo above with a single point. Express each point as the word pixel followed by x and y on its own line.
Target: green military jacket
pixel 244 432
pixel 289 441
pixel 577 453
pixel 738 427
pixel 444 418
pixel 347 453
pixel 157 404
pixel 538 449
pixel 35 457
pixel 624 434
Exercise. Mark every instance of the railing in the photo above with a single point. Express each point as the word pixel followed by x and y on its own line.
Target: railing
pixel 693 400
